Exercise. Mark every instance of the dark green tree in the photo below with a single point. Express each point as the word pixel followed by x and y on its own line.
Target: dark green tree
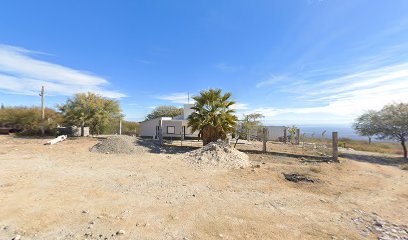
pixel 164 111
pixel 213 117
pixel 89 109
pixel 391 122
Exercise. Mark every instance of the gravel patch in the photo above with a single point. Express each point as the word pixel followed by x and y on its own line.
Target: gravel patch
pixel 218 154
pixel 119 144
pixel 371 224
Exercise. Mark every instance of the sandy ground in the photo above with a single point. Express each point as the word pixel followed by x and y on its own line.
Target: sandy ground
pixel 66 192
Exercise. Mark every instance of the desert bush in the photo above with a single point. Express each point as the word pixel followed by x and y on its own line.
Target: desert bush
pixel 89 109
pixel 27 120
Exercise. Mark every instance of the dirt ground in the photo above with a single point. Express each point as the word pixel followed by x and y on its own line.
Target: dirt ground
pixel 64 191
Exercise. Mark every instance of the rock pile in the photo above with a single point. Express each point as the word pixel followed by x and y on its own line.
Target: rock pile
pixel 371 224
pixel 118 144
pixel 218 154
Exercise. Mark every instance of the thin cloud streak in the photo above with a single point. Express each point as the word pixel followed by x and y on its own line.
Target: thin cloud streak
pixel 349 95
pixel 182 98
pixel 226 67
pixel 20 73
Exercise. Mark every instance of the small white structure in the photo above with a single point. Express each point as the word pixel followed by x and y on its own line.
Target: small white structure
pixel 276 133
pixel 56 140
pixel 175 127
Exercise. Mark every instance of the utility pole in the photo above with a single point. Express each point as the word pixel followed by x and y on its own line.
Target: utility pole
pixel 42 103
pixel 42 110
pixel 188 97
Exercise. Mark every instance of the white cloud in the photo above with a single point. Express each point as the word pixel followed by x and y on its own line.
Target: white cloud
pixel 347 96
pixel 272 81
pixel 226 67
pixel 20 73
pixel 176 98
pixel 240 106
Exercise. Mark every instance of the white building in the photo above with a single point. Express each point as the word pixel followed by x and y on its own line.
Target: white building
pixel 175 127
pixel 275 133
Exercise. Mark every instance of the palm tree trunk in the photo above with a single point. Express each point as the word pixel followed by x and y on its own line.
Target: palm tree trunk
pixel 210 134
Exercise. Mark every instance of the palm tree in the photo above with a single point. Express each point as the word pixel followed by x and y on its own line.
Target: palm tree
pixel 212 117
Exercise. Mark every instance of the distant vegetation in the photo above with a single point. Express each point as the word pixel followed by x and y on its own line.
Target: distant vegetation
pixel 89 109
pixel 391 123
pixel 212 117
pixel 380 147
pixel 102 115
pixel 27 120
pixel 128 127
pixel 164 111
pixel 250 124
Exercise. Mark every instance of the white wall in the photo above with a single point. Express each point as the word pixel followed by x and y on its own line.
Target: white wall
pixel 177 124
pixel 148 128
pixel 275 132
pixel 187 110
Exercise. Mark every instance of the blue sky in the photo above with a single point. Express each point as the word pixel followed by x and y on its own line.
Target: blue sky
pixel 296 61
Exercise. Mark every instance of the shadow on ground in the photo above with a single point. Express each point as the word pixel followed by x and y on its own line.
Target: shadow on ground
pixel 383 160
pixel 305 158
pixel 154 147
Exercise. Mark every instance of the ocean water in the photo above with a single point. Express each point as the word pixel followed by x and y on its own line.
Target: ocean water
pixel 343 131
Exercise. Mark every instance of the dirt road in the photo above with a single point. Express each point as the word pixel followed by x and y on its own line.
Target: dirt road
pixel 64 191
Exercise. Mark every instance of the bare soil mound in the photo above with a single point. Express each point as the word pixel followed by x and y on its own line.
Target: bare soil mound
pixel 218 154
pixel 118 144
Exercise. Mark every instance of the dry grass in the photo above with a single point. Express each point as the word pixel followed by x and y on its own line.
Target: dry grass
pixel 404 166
pixel 381 147
pixel 360 145
pixel 315 169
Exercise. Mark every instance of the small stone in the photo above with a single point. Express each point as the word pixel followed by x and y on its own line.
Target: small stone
pixel 120 232
pixel 84 211
pixel 99 217
pixel 17 237
pixel 257 166
pixel 93 222
pixel 220 235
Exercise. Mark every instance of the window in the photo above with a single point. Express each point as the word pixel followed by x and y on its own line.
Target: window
pixel 171 130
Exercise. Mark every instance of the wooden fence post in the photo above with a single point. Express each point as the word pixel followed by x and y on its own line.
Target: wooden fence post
pixel 264 137
pixel 297 136
pixel 335 146
pixel 285 135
